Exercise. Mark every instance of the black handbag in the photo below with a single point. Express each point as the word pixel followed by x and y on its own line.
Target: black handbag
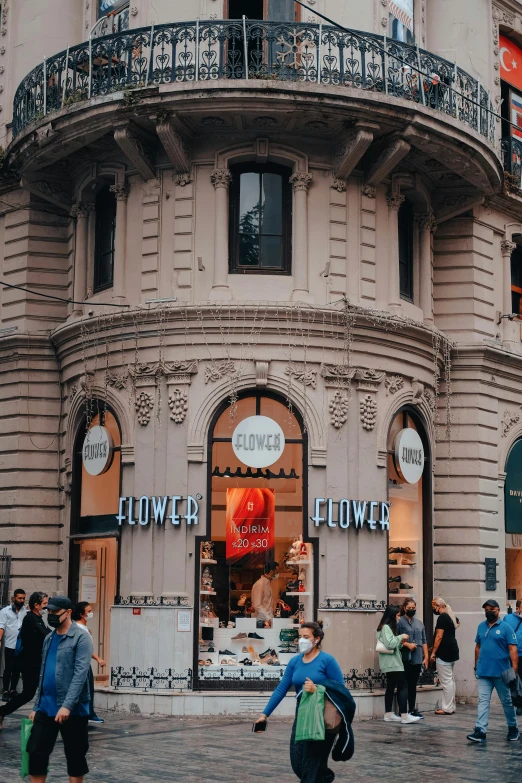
pixel 406 654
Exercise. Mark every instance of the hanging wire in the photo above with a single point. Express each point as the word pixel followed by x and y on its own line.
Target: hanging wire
pixel 61 298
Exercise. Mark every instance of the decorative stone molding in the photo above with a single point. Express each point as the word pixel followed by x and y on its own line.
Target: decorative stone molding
pixel 509 419
pixel 368 411
pixel 137 149
pixel 182 180
pixel 174 144
pixel 218 370
pixel 121 192
pixel 507 247
pixel 353 147
pixel 301 180
pixel 179 372
pixel 262 373
pixel 144 405
pixel 302 374
pixel 338 408
pixel 417 389
pixel 117 380
pixel 221 178
pixel 395 200
pixel 393 384
pixel 370 191
pixel 178 404
pixel 426 220
pixel 339 185
pixel 336 375
pixel 82 209
pixel 369 380
pixel 429 398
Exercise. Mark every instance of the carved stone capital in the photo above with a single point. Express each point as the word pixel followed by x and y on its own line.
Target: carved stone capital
pixel 507 247
pixel 426 220
pixel 370 191
pixel 221 178
pixel 339 185
pixel 182 180
pixel 395 200
pixel 120 191
pixel 301 180
pixel 82 209
pixel 181 372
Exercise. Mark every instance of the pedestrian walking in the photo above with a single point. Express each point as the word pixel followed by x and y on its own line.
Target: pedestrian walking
pixel 62 699
pixel 495 653
pixel 11 618
pixel 415 659
pixel 32 635
pixel 515 621
pixel 389 647
pixel 82 613
pixel 310 667
pixel 445 653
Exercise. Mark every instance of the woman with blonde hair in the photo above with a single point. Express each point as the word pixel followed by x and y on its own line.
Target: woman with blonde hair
pixel 445 653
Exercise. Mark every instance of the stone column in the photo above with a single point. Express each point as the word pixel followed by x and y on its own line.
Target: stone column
pixel 427 226
pixel 394 289
pixel 81 211
pixel 300 182
pixel 508 328
pixel 221 179
pixel 120 240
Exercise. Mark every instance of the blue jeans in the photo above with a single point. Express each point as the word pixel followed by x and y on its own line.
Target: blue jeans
pixel 485 689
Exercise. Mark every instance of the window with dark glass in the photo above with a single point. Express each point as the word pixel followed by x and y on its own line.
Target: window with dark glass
pixel 260 219
pixel 516 281
pixel 406 250
pixel 104 239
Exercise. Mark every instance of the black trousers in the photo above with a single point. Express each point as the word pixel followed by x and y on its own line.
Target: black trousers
pixel 396 681
pixel 11 670
pixel 309 760
pixel 75 738
pixel 412 672
pixel 30 675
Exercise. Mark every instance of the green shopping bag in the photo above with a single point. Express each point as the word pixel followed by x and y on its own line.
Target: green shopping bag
pixel 27 726
pixel 310 716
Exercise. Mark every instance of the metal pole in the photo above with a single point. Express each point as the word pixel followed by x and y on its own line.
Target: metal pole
pixel 197 49
pixel 44 86
pixel 456 90
pixel 149 69
pixel 419 78
pixel 90 66
pixel 479 109
pixel 66 72
pixel 245 47
pixel 385 74
pixel 319 53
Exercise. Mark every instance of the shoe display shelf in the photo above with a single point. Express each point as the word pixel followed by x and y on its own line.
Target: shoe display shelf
pixel 303 562
pixel 412 571
pixel 223 640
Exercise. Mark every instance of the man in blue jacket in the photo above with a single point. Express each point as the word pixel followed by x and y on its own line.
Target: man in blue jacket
pixel 495 653
pixel 515 621
pixel 62 699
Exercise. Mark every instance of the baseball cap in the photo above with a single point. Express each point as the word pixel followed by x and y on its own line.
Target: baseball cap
pixel 59 602
pixel 491 602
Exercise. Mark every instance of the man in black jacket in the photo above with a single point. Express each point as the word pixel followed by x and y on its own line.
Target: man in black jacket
pixel 32 635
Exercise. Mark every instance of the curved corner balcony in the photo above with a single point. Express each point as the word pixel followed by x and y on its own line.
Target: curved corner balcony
pixel 205 51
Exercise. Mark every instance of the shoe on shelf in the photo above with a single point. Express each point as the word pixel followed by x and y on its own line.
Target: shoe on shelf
pixel 405 586
pixel 255 636
pixel 265 654
pixel 246 662
pixel 96 719
pixel 391 717
pixel 244 649
pixel 225 652
pixel 477 735
pixel 408 562
pixel 417 714
pixel 394 579
pixel 513 734
pixel 394 590
pixel 408 718
pixel 405 550
pixel 394 550
pixel 239 636
pixel 392 562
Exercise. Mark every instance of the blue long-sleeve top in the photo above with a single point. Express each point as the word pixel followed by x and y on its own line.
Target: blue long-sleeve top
pixel 323 667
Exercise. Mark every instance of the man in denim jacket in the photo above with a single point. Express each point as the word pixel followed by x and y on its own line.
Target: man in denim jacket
pixel 62 698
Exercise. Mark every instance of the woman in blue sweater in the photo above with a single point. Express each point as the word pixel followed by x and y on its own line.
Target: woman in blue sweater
pixel 304 671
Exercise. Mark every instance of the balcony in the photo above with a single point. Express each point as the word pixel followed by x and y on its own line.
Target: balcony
pixel 205 51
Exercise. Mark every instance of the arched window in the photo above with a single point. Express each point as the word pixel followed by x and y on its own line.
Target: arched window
pixel 516 281
pixel 260 235
pixel 104 240
pixel 406 250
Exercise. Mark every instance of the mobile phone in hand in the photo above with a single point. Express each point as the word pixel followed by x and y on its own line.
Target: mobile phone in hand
pixel 259 726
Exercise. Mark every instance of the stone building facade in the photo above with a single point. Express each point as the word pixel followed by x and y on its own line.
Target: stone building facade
pixel 205 221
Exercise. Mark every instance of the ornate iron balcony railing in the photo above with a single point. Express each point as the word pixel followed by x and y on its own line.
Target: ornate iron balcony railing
pixel 512 160
pixel 226 49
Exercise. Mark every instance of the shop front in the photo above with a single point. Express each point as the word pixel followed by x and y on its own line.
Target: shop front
pixel 513 524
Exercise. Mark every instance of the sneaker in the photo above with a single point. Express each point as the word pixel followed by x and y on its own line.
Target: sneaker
pixel 226 652
pixel 239 636
pixel 5 696
pixel 394 590
pixel 96 719
pixel 417 714
pixel 255 636
pixel 408 718
pixel 477 736
pixel 513 734
pixel 391 717
pixel 405 586
pixel 394 579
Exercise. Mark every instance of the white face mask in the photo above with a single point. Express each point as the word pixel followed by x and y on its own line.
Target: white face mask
pixel 90 616
pixel 305 645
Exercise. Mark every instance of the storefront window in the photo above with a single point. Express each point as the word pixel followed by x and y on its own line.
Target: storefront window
pixel 409 558
pixel 250 608
pixel 513 524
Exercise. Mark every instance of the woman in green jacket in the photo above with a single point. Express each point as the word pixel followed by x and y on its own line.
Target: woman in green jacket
pixel 391 664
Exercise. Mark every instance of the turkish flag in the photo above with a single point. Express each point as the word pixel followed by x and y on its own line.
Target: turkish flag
pixel 510 56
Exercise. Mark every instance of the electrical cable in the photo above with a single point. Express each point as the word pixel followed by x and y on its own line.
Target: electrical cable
pixel 61 298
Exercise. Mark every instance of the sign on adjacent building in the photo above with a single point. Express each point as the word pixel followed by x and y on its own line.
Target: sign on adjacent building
pixel 158 509
pixel 373 514
pixel 97 451
pixel 409 455
pixel 258 441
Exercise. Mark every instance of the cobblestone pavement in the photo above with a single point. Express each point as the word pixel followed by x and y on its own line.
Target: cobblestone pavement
pixel 135 749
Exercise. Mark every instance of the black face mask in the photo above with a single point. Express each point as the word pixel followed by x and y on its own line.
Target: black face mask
pixel 491 617
pixel 55 620
pixel 411 612
pixel 435 612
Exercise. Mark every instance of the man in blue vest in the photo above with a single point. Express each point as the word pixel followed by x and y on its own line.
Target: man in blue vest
pixel 495 653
